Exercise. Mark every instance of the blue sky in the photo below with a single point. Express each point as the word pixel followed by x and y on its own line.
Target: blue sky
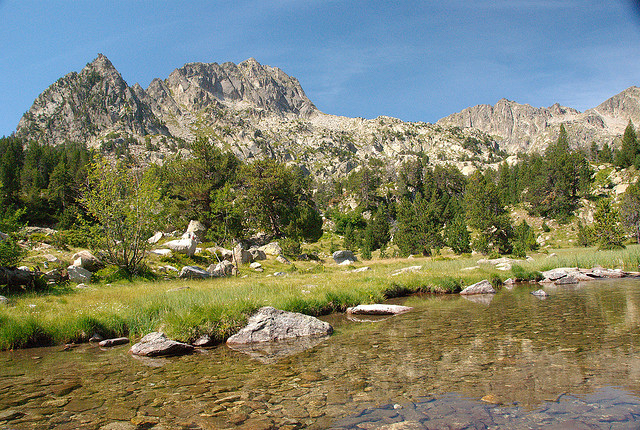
pixel 414 60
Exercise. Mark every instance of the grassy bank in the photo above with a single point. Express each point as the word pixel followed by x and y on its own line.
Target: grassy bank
pixel 186 310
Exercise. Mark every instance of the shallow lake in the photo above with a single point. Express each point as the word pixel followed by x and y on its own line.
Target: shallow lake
pixel 512 360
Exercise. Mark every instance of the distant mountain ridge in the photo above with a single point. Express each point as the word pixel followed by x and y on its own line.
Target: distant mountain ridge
pixel 521 127
pixel 250 109
pixel 259 111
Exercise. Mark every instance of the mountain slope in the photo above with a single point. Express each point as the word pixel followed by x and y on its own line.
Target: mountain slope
pixel 250 109
pixel 521 127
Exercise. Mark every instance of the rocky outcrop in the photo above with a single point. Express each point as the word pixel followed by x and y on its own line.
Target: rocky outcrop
pixel 156 344
pixel 78 274
pixel 521 127
pixel 270 325
pixel 87 261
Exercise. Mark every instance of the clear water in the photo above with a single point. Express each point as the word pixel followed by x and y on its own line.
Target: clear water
pixel 571 360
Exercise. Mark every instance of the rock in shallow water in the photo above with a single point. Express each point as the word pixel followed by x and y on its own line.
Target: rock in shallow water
pixel 270 324
pixel 482 287
pixel 378 309
pixel 156 344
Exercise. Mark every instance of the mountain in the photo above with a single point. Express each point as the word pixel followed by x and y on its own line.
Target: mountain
pixel 521 127
pixel 250 109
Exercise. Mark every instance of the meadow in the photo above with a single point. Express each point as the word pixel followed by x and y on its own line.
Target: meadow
pixel 218 307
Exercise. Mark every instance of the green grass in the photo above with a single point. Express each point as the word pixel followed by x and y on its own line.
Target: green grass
pixel 219 307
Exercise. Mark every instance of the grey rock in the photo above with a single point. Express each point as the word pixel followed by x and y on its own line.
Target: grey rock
pixel 52 258
pixel 114 342
pixel 344 257
pixel 270 324
pixel 540 293
pixel 78 274
pixel 197 230
pixel 183 246
pixel 257 254
pixel 378 309
pixel 222 269
pixel 156 344
pixel 566 280
pixel 155 238
pixel 241 255
pixel 482 287
pixel 410 269
pixel 204 340
pixel 161 252
pixel 4 300
pixel 87 260
pixel 193 272
pixel 360 270
pixel 272 249
pixel 255 265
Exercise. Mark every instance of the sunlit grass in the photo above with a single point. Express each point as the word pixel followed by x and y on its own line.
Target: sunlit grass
pixel 186 310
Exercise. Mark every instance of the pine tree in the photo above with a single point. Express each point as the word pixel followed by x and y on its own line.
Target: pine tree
pixel 606 226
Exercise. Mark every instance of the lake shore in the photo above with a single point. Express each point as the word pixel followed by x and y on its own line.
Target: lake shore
pixel 187 309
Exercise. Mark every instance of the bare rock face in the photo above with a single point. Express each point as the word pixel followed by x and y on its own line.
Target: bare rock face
pixel 270 324
pixel 79 106
pixel 156 344
pixel 521 127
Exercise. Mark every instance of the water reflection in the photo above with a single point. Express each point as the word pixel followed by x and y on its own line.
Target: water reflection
pixel 516 351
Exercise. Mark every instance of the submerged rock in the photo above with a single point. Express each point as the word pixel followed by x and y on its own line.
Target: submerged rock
pixel 378 309
pixel 156 344
pixel 540 293
pixel 114 342
pixel 271 352
pixel 270 324
pixel 482 287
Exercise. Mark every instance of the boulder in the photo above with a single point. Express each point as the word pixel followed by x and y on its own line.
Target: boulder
pixel 196 230
pixel 222 269
pixel 272 249
pixel 566 280
pixel 257 254
pixel 378 309
pixel 155 238
pixel 182 246
pixel 4 300
pixel 87 260
pixel 255 265
pixel 204 340
pixel 113 342
pixel 156 344
pixel 270 324
pixel 344 257
pixel 78 274
pixel 361 269
pixel 193 272
pixel 241 255
pixel 482 287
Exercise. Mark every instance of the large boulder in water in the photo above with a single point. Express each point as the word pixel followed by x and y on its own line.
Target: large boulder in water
pixel 156 344
pixel 270 324
pixel 482 287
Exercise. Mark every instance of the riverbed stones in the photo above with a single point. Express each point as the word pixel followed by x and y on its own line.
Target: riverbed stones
pixel 270 324
pixel 344 257
pixel 378 309
pixel 193 272
pixel 482 287
pixel 157 344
